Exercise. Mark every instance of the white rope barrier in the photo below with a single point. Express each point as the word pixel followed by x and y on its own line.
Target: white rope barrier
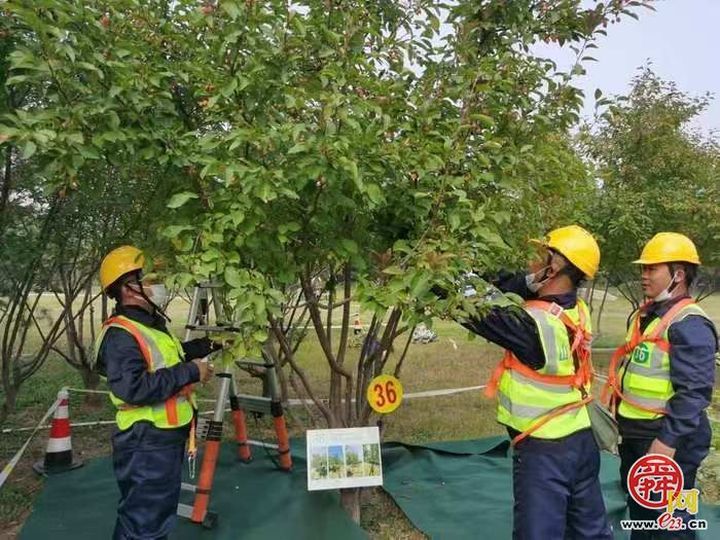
pixel 16 458
pixel 88 391
pixel 5 473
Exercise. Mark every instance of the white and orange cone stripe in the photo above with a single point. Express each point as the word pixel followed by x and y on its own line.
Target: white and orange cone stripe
pixel 59 440
pixel 58 455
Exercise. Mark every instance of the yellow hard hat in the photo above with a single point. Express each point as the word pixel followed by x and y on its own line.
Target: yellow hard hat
pixel 666 247
pixel 119 262
pixel 575 244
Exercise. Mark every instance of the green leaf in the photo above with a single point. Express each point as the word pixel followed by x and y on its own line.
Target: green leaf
pixel 483 119
pixel 350 246
pixel 7 132
pixel 114 120
pixel 88 152
pixel 374 193
pixel 489 236
pixel 177 200
pixel 267 192
pixel 353 168
pixel 16 79
pixel 238 216
pixel 91 67
pixel 29 150
pixel 244 82
pixel 420 285
pixel 232 9
pixel 454 221
pixel 211 254
pixel 259 302
pixel 233 277
pixel 299 147
pixel 393 271
pixel 173 231
pixel 76 138
pixel 229 88
pixel 492 145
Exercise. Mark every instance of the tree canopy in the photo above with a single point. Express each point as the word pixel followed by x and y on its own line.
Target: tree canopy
pixel 655 173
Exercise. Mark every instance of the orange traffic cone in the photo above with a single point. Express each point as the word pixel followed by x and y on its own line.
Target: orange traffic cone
pixel 58 455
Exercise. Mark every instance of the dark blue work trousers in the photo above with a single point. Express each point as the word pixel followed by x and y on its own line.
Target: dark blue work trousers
pixel 689 454
pixel 148 467
pixel 557 489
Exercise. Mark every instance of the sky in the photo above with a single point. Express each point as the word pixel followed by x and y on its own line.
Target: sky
pixel 681 40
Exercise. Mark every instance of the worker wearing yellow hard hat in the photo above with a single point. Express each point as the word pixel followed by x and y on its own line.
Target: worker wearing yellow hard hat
pixel 150 375
pixel 542 388
pixel 575 244
pixel 661 379
pixel 669 247
pixel 121 261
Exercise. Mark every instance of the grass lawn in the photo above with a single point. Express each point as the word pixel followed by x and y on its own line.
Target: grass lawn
pixel 451 362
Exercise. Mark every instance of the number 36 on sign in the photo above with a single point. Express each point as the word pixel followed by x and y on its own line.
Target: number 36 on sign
pixel 384 394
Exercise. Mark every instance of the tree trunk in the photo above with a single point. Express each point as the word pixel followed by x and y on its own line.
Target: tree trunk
pixel 91 380
pixel 336 404
pixel 5 189
pixel 350 500
pixel 8 404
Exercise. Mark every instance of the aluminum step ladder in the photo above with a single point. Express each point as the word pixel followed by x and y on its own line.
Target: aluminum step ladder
pixel 204 297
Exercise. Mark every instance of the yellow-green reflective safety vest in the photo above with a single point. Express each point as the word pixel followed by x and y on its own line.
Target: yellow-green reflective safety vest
pixel 160 350
pixel 645 374
pixel 522 401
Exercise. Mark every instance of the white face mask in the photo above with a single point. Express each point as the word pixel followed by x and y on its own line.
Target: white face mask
pixel 666 293
pixel 159 295
pixel 531 280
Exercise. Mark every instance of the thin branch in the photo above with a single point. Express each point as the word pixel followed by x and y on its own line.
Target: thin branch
pixel 345 331
pixel 317 323
pixel 361 379
pixel 398 366
pixel 329 312
pixel 26 326
pixel 326 306
pixel 387 339
pixel 303 378
pixel 66 357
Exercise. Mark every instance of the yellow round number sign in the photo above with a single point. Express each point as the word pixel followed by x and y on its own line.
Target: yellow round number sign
pixel 385 394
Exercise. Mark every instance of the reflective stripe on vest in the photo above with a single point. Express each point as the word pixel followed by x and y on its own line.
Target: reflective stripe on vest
pixel 159 350
pixel 644 374
pixel 526 399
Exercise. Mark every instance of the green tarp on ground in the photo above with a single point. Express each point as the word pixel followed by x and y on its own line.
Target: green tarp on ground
pixel 254 501
pixel 449 490
pixel 463 489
